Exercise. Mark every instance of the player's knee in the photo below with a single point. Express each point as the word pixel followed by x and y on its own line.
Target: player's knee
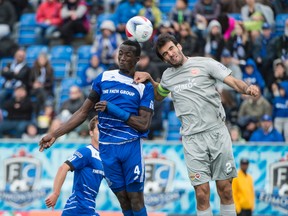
pixel 123 200
pixel 225 193
pixel 202 195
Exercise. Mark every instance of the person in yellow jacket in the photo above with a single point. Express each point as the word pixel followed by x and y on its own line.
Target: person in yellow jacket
pixel 243 190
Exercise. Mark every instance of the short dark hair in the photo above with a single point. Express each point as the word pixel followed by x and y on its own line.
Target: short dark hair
pixel 93 122
pixel 135 44
pixel 162 40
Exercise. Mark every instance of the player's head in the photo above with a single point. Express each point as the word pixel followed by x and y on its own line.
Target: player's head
pixel 129 54
pixel 169 50
pixel 93 130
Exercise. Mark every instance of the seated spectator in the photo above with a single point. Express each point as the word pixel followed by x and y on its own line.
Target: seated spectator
pixel 19 6
pixel 31 133
pixel 206 10
pixel 247 125
pixel 251 74
pixel 230 106
pixel 281 44
pixel 19 109
pixel 105 45
pixel 41 82
pixel 266 132
pixel 151 12
pixel 8 18
pixel 74 102
pixel 280 108
pixel 254 107
pixel 44 118
pixel 228 24
pixel 48 19
pixel 179 14
pixel 188 40
pixel 214 41
pixel 231 6
pixel 280 73
pixel 74 15
pixel 15 73
pixel 235 134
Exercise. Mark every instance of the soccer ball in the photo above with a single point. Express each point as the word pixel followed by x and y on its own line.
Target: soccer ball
pixel 139 28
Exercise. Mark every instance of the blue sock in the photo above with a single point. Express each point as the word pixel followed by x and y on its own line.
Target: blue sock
pixel 142 212
pixel 127 212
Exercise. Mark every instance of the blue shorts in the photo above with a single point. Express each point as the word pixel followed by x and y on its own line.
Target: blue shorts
pixel 123 166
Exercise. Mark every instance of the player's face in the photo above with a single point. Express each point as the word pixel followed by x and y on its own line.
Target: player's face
pixel 127 58
pixel 95 134
pixel 172 54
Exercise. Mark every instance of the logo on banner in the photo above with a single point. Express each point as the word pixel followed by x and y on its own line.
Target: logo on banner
pixel 22 174
pixel 278 194
pixel 158 188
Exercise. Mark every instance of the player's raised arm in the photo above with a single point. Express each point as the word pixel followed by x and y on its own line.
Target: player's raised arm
pixel 76 119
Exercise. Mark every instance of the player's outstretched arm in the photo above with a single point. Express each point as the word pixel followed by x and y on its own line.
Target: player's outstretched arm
pixel 76 119
pixel 141 77
pixel 58 182
pixel 241 87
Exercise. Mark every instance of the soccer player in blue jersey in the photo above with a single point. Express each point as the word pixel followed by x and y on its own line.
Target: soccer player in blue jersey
pixel 125 111
pixel 88 174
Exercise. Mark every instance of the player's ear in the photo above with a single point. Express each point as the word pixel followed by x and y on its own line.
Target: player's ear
pixel 179 46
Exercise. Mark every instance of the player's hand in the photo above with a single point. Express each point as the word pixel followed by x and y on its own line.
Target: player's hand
pixel 252 90
pixel 51 200
pixel 140 77
pixel 101 106
pixel 46 142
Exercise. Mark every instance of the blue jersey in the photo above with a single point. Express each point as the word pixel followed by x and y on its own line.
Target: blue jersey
pixel 88 168
pixel 119 89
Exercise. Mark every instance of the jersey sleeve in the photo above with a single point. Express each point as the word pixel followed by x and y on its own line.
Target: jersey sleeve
pixel 218 70
pixel 147 100
pixel 96 85
pixel 162 91
pixel 79 159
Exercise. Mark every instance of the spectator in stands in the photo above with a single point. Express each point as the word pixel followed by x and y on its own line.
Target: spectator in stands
pixel 251 7
pixel 48 19
pixel 254 107
pixel 105 45
pixel 281 44
pixel 19 6
pixel 251 74
pixel 264 53
pixel 230 106
pixel 254 25
pixel 188 40
pixel 75 20
pixel 179 14
pixel 20 110
pixel 206 10
pixel 214 42
pixel 235 134
pixel 152 12
pixel 227 25
pixel 8 18
pixel 31 133
pixel 75 100
pixel 230 6
pixel 243 190
pixel 15 73
pixel 280 6
pixel 248 125
pixel 45 117
pixel 41 82
pixel 124 11
pixel 239 44
pixel 280 72
pixel 266 132
pixel 280 108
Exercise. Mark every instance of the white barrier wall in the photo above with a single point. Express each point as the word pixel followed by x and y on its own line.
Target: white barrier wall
pixel 26 177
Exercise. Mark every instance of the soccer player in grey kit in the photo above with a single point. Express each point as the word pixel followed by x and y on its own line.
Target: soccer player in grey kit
pixel 205 137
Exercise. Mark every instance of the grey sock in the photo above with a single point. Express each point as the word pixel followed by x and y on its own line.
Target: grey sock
pixel 207 212
pixel 227 210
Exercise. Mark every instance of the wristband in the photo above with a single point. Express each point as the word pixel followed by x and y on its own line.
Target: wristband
pixel 117 112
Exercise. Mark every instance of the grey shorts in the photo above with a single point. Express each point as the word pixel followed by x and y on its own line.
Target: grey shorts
pixel 209 156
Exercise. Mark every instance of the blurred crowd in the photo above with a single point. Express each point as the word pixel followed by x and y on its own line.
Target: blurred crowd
pixel 244 35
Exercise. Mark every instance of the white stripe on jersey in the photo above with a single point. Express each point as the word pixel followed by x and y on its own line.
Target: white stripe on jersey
pixel 118 143
pixel 95 152
pixel 89 200
pixel 69 208
pixel 90 188
pixel 127 132
pixel 114 75
pixel 123 138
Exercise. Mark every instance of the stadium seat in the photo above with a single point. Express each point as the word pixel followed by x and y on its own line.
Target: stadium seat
pixel 61 52
pixel 26 30
pixel 83 54
pixel 236 16
pixel 80 69
pixel 33 51
pixel 166 5
pixel 65 85
pixel 4 62
pixel 280 23
pixel 61 68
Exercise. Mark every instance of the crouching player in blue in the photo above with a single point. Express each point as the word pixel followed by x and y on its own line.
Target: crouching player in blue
pixel 125 111
pixel 88 174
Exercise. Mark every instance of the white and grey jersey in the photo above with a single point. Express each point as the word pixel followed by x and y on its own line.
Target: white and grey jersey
pixel 193 89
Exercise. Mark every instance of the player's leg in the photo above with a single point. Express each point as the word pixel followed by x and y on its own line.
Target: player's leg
pixel 133 169
pixel 223 169
pixel 114 175
pixel 198 166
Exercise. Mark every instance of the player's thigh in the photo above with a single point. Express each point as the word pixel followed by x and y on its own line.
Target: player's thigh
pixel 197 159
pixel 133 165
pixel 112 166
pixel 223 164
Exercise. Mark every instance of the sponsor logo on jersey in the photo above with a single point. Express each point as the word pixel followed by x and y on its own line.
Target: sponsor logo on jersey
pixel 22 174
pixel 158 188
pixel 188 85
pixel 195 71
pixel 278 193
pixel 194 176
